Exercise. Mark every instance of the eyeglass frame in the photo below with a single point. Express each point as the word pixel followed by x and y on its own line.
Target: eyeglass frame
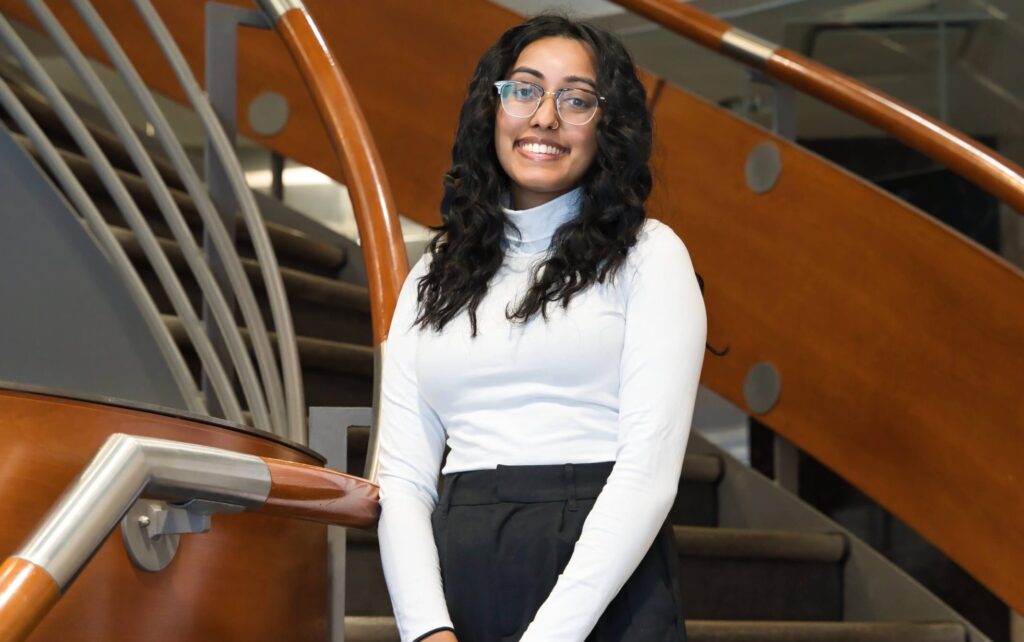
pixel 557 94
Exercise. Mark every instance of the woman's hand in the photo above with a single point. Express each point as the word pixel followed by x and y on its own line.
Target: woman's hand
pixel 441 636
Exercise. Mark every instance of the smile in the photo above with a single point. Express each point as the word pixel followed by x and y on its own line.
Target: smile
pixel 540 152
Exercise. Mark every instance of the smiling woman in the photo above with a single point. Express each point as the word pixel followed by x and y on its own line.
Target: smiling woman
pixel 553 336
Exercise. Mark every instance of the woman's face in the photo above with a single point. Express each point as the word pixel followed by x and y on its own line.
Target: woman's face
pixel 552 63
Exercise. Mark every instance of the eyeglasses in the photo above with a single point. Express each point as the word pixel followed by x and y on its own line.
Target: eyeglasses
pixel 522 99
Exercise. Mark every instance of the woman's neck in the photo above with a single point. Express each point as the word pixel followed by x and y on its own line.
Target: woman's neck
pixel 524 199
pixel 538 224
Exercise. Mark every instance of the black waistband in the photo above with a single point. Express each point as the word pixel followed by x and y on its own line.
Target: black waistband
pixel 534 483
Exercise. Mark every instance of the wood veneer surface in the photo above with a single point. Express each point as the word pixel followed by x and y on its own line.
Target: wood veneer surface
pixel 252 577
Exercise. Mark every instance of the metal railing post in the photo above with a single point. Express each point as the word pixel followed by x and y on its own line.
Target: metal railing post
pixel 221 78
pixel 328 435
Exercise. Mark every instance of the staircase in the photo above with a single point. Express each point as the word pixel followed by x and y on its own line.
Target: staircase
pixel 737 584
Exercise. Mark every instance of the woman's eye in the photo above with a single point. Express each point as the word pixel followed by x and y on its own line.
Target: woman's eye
pixel 523 93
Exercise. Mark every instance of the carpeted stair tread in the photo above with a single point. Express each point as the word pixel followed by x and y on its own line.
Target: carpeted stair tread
pixel 724 574
pixel 321 354
pixel 710 631
pixel 382 629
pixel 287 242
pixel 298 284
pixel 697 467
pixel 107 140
pixel 760 544
pixel 697 541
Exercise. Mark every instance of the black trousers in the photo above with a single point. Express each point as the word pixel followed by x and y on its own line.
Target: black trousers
pixel 503 536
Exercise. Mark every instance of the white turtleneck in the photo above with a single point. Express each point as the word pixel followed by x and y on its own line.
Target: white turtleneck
pixel 614 377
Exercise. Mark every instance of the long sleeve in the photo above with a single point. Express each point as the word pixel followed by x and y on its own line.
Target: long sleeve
pixel 412 443
pixel 662 356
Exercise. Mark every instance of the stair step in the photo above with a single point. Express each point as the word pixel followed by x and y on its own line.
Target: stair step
pixel 697 468
pixel 292 247
pixel 708 631
pixel 382 629
pixel 322 308
pixel 724 574
pixel 50 123
pixel 760 544
pixel 334 373
pixel 697 504
pixel 738 574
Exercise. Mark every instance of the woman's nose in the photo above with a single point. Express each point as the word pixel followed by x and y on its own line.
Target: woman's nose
pixel 547 114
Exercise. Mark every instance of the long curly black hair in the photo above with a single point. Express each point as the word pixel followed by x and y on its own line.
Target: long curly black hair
pixel 469 247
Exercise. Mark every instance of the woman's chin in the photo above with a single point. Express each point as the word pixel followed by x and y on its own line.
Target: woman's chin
pixel 540 181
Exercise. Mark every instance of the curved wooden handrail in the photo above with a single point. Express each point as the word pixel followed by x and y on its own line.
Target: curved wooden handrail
pixel 129 467
pixel 379 231
pixel 984 167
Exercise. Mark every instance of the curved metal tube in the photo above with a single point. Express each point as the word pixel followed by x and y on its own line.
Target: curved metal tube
pixel 135 219
pixel 97 225
pixel 222 243
pixel 176 222
pixel 294 402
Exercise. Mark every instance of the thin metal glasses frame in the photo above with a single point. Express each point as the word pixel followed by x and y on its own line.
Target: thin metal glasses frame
pixel 499 85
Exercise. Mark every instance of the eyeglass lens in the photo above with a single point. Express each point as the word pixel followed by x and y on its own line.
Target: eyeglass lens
pixel 522 99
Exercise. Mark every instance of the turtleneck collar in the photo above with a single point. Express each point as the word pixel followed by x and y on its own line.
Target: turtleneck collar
pixel 538 224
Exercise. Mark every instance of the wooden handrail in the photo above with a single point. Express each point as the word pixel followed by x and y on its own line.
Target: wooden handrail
pixel 986 168
pixel 312 493
pixel 379 231
pixel 27 593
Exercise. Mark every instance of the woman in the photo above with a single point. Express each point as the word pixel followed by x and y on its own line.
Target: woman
pixel 554 336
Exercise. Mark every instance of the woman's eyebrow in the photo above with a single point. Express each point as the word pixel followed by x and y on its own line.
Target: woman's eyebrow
pixel 534 72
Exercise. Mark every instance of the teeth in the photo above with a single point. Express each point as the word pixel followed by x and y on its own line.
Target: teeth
pixel 537 148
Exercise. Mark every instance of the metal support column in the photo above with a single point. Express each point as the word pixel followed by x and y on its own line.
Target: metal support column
pixel 221 79
pixel 785 455
pixel 328 435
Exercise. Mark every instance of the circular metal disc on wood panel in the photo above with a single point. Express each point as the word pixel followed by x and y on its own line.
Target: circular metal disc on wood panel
pixel 148 553
pixel 762 387
pixel 764 164
pixel 268 113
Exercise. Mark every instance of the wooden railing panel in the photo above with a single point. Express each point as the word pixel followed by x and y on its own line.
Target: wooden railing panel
pixel 897 339
pixel 253 576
